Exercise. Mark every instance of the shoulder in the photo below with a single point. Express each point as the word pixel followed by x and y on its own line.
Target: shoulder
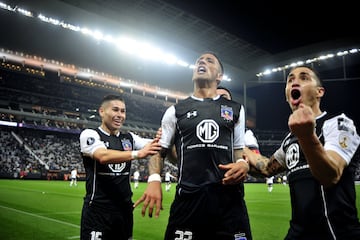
pixel 340 122
pixel 88 132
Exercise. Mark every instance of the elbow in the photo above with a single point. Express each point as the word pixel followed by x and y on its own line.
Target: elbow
pixel 330 179
pixel 102 157
pixel 102 160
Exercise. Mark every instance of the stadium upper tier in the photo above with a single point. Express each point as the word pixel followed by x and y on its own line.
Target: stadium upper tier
pixel 44 98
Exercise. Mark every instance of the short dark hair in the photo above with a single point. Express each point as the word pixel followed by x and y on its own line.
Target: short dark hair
pixel 226 89
pixel 111 97
pixel 316 73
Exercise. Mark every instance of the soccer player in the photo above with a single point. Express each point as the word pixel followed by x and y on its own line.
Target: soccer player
pixel 136 176
pixel 168 178
pixel 73 177
pixel 318 154
pixel 270 183
pixel 208 132
pixel 107 153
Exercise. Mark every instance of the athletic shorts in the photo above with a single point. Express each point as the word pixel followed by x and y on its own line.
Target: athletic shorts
pixel 104 224
pixel 213 212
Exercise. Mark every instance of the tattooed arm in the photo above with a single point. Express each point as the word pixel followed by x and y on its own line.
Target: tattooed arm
pixel 152 196
pixel 261 165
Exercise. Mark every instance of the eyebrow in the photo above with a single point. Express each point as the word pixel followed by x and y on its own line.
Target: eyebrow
pixel 301 73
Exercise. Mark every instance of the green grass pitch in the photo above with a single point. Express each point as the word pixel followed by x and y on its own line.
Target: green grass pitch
pixel 39 210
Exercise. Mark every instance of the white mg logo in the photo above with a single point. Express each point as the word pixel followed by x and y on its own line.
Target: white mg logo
pixel 117 167
pixel 292 155
pixel 207 131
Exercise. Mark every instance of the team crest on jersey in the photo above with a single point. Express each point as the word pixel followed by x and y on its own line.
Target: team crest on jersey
pixel 227 113
pixel 127 146
pixel 292 155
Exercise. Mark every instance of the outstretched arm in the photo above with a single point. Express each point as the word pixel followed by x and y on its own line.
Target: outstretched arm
pixel 261 165
pixel 152 196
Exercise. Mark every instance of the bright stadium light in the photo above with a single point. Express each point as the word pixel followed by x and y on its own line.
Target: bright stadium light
pixel 125 44
pixel 311 60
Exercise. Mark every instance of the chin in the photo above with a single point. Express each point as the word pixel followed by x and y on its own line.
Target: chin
pixel 293 107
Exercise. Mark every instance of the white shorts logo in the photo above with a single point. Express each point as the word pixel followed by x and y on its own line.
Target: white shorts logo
pixel 207 131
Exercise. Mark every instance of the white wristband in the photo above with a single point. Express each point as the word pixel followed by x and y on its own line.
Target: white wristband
pixel 154 177
pixel 242 160
pixel 134 154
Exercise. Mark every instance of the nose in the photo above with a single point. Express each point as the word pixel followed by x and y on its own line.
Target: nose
pixel 201 61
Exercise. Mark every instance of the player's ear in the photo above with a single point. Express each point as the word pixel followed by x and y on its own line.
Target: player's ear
pixel 320 91
pixel 219 78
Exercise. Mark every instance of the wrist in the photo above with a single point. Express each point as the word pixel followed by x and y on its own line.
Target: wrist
pixel 134 154
pixel 155 177
pixel 242 160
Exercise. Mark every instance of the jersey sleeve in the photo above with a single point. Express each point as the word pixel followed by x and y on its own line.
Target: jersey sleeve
pixel 250 139
pixel 139 142
pixel 239 130
pixel 90 142
pixel 340 136
pixel 168 127
pixel 280 154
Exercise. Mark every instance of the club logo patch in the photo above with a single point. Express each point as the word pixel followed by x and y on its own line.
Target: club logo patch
pixel 227 113
pixel 126 144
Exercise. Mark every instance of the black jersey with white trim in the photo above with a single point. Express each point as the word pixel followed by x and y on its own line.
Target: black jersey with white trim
pixel 313 207
pixel 207 131
pixel 107 185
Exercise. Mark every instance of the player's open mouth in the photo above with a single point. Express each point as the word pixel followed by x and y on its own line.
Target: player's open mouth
pixel 295 94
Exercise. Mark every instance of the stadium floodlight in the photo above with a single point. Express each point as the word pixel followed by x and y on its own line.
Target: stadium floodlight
pixel 226 78
pixel 7 123
pixel 131 46
pixel 311 60
pixel 162 93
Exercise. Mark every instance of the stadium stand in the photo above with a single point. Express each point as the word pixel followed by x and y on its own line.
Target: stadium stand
pixel 42 113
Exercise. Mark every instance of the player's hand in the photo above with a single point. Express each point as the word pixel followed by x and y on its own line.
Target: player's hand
pixel 235 172
pixel 302 121
pixel 151 148
pixel 158 134
pixel 152 198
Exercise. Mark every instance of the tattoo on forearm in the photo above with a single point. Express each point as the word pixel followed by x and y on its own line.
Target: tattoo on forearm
pixel 155 164
pixel 261 163
pixel 266 166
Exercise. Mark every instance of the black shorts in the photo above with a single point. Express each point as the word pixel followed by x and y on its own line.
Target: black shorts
pixel 104 224
pixel 214 212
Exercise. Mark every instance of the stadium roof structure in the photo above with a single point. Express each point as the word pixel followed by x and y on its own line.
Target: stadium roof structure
pixel 249 37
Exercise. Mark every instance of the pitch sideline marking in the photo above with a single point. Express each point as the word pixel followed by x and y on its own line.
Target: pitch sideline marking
pixel 42 217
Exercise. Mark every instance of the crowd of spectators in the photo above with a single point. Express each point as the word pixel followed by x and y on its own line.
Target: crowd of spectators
pixel 50 111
